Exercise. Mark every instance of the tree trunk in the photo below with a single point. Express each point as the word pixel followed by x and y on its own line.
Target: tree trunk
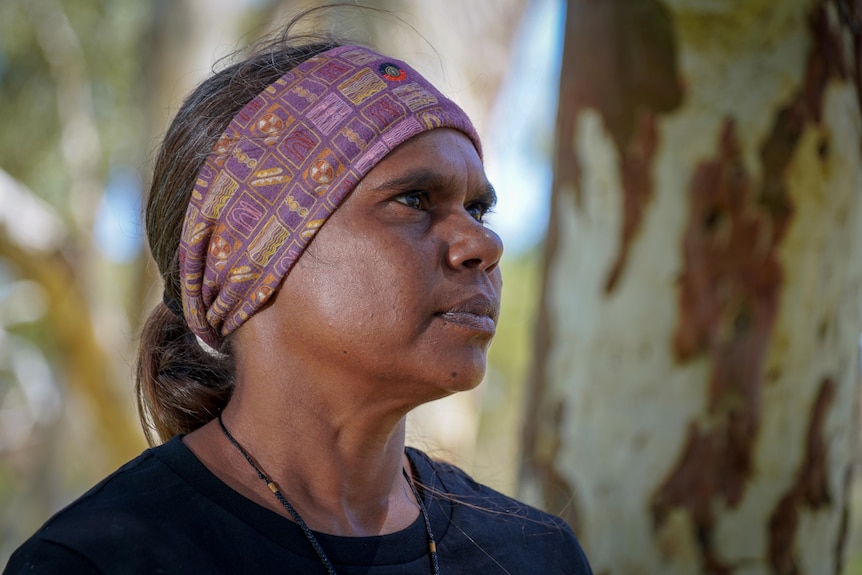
pixel 696 374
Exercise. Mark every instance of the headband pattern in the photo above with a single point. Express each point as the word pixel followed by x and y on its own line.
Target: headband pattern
pixel 284 164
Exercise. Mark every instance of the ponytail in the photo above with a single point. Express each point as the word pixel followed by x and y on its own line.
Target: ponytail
pixel 179 385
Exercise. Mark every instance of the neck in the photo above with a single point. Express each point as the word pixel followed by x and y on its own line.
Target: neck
pixel 340 468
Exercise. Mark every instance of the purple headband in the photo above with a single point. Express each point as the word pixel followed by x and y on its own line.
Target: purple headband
pixel 286 162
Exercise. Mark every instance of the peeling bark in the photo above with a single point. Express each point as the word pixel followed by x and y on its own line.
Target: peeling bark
pixel 844 527
pixel 634 71
pixel 810 490
pixel 630 81
pixel 729 292
pixel 682 374
pixel 637 182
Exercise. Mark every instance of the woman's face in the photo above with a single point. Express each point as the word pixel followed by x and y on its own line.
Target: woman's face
pixel 401 286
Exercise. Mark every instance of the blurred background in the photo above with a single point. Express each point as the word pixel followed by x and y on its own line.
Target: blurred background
pixel 87 88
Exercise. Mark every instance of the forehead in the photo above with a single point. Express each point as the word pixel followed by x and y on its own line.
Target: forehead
pixel 442 154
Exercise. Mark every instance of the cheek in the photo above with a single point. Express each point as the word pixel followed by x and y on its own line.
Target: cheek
pixel 390 285
pixel 359 295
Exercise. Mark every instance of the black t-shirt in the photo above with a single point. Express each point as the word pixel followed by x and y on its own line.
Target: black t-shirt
pixel 164 512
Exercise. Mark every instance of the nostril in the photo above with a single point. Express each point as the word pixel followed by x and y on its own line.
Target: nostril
pixel 476 251
pixel 472 263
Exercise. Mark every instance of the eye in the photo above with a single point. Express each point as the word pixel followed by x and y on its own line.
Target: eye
pixel 478 211
pixel 415 200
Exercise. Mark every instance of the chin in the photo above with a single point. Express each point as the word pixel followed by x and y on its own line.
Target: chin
pixel 448 383
pixel 463 379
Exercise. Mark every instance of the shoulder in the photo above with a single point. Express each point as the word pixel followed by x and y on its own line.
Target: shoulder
pixel 133 487
pixel 40 556
pixel 462 488
pixel 485 524
pixel 123 513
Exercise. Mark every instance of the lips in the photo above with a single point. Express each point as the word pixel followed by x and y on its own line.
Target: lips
pixel 478 313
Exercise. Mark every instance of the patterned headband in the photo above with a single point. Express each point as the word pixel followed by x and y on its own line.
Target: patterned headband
pixel 286 162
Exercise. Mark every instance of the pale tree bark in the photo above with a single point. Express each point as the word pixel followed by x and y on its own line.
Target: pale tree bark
pixel 697 348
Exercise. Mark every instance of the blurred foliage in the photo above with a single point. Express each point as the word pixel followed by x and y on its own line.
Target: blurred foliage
pixel 48 47
pixel 71 88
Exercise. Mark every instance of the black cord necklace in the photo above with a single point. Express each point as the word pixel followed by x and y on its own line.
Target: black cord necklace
pixel 432 545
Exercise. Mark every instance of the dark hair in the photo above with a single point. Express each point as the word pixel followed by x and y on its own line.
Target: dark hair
pixel 179 385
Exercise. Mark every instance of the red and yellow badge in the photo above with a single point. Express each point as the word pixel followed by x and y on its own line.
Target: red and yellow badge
pixel 392 72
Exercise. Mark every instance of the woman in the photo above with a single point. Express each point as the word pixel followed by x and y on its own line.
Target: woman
pixel 279 369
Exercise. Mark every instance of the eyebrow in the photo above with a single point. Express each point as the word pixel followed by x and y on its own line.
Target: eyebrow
pixel 428 179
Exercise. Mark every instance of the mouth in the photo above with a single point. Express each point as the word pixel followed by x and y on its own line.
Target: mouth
pixel 478 313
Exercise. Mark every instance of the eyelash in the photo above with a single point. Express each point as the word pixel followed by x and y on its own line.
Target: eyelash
pixel 420 196
pixel 483 207
pixel 484 210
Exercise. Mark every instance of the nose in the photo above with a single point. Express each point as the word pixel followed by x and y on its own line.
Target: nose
pixel 472 245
